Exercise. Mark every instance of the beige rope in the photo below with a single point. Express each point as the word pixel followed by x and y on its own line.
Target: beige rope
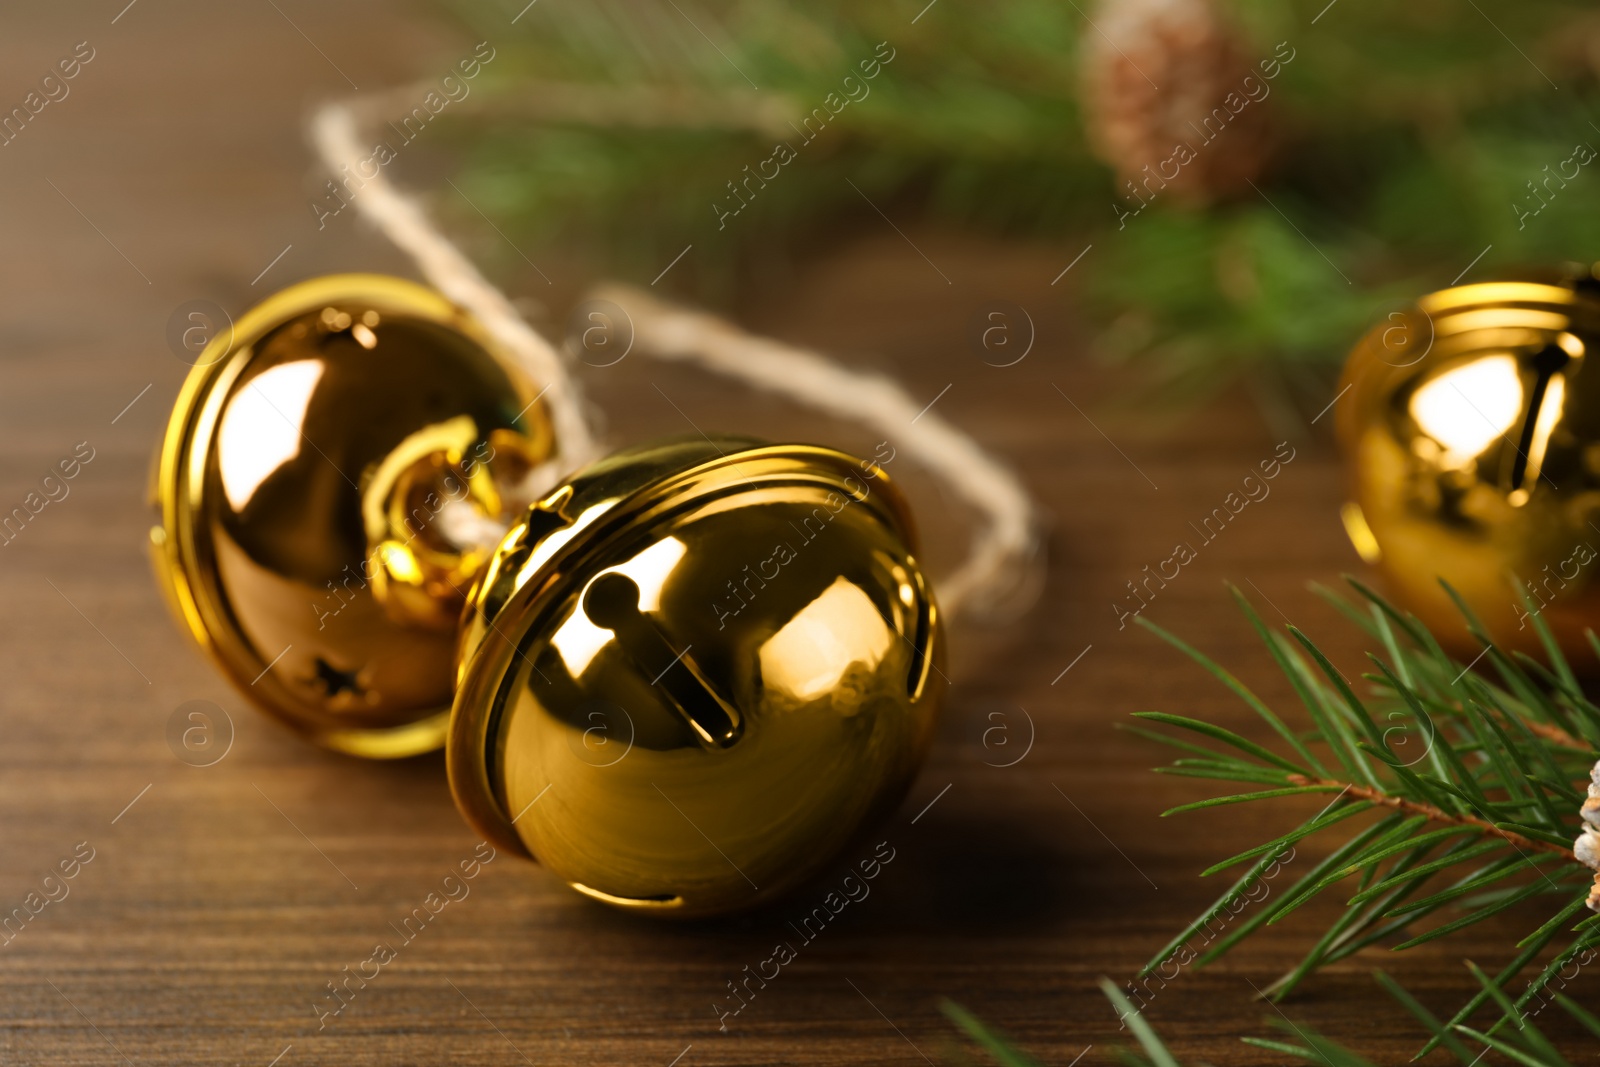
pixel 333 131
pixel 1000 566
pixel 1003 569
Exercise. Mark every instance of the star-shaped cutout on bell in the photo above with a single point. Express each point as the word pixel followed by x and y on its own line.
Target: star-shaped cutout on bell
pixel 335 682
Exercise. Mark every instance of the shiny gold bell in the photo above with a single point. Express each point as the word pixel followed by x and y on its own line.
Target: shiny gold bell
pixel 1471 435
pixel 682 680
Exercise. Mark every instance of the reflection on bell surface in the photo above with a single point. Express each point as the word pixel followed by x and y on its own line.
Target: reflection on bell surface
pixel 1472 442
pixel 695 672
pixel 307 485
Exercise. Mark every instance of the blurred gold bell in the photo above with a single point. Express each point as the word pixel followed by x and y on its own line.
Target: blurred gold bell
pixel 683 680
pixel 1472 442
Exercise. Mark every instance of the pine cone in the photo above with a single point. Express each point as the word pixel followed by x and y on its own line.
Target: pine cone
pixel 1169 87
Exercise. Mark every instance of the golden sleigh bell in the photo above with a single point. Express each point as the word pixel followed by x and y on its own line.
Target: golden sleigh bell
pixel 683 680
pixel 1471 435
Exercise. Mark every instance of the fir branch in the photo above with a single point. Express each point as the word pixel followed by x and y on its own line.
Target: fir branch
pixel 1413 807
pixel 1489 802
pixel 1556 735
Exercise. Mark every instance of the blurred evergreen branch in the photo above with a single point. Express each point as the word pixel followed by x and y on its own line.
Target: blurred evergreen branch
pixel 612 127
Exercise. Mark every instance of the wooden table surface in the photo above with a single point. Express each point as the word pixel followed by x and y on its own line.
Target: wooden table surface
pixel 221 900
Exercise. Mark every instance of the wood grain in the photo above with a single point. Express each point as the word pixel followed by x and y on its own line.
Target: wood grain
pixel 221 900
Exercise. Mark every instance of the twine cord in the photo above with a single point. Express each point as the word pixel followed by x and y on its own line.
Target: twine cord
pixel 1005 543
pixel 1002 570
pixel 401 219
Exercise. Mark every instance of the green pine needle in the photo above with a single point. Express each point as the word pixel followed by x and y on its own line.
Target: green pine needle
pixel 1472 779
pixel 1525 1044
pixel 999 1048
